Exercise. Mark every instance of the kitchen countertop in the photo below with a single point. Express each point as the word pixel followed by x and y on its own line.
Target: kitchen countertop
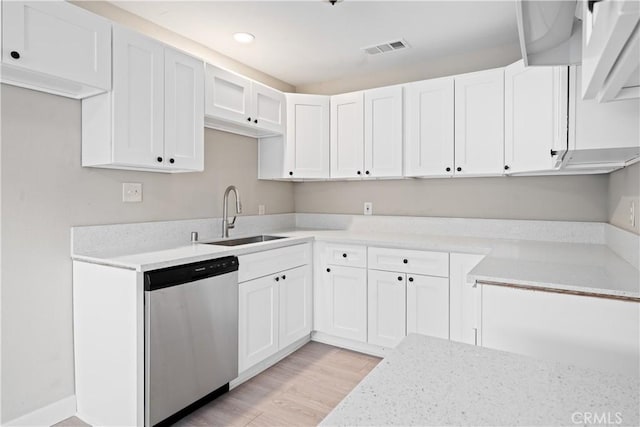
pixel 574 267
pixel 430 381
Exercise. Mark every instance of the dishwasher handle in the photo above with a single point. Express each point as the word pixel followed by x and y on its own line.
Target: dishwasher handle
pixel 181 274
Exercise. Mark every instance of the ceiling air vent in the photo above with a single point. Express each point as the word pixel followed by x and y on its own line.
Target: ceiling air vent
pixel 386 47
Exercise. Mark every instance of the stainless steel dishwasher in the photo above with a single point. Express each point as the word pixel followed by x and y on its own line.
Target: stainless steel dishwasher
pixel 191 336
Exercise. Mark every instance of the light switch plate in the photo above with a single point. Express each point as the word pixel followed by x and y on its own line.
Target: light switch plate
pixel 261 209
pixel 131 192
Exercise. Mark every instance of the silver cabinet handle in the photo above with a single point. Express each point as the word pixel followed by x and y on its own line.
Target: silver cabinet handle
pixel 475 336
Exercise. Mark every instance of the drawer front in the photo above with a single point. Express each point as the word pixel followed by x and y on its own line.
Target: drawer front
pixel 409 261
pixel 272 261
pixel 347 255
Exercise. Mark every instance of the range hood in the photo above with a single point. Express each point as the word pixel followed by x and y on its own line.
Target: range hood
pixel 601 35
pixel 550 32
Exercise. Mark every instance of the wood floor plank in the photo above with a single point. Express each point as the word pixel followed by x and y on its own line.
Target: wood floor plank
pixel 300 390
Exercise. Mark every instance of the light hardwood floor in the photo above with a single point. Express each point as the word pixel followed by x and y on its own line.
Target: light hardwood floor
pixel 300 390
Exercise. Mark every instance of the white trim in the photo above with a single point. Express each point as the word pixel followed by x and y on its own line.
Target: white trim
pixel 360 347
pixel 268 362
pixel 47 415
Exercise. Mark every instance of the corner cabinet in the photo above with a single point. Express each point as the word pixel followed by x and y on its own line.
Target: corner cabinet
pixel 479 123
pixel 347 135
pixel 239 105
pixel 366 134
pixel 304 152
pixel 429 145
pixel 153 119
pixel 536 100
pixel 55 47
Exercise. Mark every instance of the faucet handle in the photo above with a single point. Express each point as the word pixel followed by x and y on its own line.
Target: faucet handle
pixel 232 224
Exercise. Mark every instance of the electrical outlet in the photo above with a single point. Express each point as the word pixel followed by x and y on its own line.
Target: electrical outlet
pixel 368 208
pixel 632 214
pixel 131 192
pixel 261 209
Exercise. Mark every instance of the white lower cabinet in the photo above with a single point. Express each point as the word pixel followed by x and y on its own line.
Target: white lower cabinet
pixel 274 310
pixel 346 302
pixel 296 303
pixel 464 316
pixel 387 307
pixel 591 332
pixel 428 305
pixel 258 321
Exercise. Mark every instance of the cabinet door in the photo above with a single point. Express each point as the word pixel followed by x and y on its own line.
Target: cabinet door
pixel 258 309
pixel 346 303
pixel 479 123
pixel 464 316
pixel 387 308
pixel 535 116
pixel 383 132
pixel 227 95
pixel 428 305
pixel 138 99
pixel 347 135
pixel 429 128
pixel 184 111
pixel 596 333
pixel 268 108
pixel 307 136
pixel 295 305
pixel 57 39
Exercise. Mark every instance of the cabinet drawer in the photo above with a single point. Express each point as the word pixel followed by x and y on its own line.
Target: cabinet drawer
pixel 347 255
pixel 272 261
pixel 408 261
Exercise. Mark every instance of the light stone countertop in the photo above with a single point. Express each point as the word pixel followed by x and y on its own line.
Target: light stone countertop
pixel 430 381
pixel 575 267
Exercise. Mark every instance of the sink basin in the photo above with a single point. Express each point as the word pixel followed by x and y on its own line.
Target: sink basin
pixel 245 240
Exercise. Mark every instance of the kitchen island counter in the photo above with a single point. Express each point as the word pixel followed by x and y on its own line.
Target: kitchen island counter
pixel 430 381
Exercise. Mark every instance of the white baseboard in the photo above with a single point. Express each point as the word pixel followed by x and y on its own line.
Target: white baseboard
pixel 360 347
pixel 47 415
pixel 268 362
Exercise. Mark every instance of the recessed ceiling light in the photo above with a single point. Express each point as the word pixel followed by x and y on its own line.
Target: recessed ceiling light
pixel 243 37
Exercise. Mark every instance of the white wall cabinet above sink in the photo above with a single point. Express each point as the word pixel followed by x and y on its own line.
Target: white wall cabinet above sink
pixel 55 47
pixel 236 104
pixel 153 118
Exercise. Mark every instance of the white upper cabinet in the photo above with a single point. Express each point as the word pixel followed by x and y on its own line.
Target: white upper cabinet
pixel 479 123
pixel 239 105
pixel 429 122
pixel 55 47
pixel 383 132
pixel 269 108
pixel 307 152
pixel 228 95
pixel 303 153
pixel 184 110
pixel 138 101
pixel 153 118
pixel 536 100
pixel 347 135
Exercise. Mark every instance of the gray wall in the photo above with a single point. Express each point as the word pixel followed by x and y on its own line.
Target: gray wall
pixel 624 189
pixel 45 192
pixel 572 198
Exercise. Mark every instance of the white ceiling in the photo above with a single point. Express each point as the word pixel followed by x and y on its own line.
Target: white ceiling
pixel 305 42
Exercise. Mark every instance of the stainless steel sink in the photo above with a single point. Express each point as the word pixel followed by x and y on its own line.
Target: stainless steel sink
pixel 245 240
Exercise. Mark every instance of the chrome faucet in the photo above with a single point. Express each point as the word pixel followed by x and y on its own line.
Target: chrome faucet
pixel 226 225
